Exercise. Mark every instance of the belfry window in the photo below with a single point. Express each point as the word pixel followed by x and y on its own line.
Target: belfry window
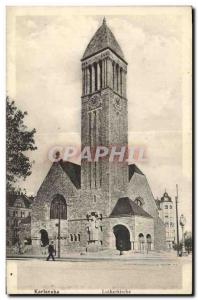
pixel 100 66
pixel 90 79
pixel 95 77
pixel 58 208
pixel 117 76
pixel 121 81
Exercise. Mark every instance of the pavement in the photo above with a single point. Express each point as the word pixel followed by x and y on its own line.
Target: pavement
pixel 152 258
pixel 145 275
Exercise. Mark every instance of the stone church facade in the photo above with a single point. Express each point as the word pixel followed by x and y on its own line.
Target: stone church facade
pixel 100 204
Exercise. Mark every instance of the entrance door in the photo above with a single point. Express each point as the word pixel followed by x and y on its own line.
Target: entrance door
pixel 122 237
pixel 44 238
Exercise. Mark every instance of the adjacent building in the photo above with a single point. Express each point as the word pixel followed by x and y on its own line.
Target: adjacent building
pixel 166 209
pixel 18 219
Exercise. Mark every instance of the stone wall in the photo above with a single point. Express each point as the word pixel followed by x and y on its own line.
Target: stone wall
pixel 139 187
pixel 56 182
pixel 160 235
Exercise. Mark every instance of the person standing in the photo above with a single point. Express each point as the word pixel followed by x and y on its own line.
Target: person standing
pixel 51 251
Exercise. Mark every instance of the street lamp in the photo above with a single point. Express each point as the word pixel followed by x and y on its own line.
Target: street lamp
pixel 182 224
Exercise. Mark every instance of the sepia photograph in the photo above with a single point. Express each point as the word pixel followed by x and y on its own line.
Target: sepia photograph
pixel 99 150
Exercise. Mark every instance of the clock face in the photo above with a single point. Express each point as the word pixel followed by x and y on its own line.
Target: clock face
pixel 117 104
pixel 95 101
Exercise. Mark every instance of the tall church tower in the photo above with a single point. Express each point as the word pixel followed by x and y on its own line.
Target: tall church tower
pixel 104 121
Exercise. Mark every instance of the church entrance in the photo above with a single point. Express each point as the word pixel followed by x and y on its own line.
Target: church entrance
pixel 44 238
pixel 122 237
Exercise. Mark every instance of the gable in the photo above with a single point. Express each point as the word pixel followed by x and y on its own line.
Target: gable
pixel 126 207
pixel 57 181
pixel 139 187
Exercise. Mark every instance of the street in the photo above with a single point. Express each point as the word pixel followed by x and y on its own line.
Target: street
pixel 108 277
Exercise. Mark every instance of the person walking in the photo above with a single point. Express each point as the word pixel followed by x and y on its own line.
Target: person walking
pixel 51 251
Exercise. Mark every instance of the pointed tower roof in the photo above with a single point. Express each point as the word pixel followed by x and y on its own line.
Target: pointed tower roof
pixel 103 39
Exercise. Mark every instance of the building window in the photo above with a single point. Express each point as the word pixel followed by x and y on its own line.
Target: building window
pixel 71 237
pixel 79 237
pixel 113 67
pixel 121 81
pixel 90 79
pixel 58 208
pixel 117 74
pixel 96 76
pixel 100 66
pixel 139 201
pixel 166 216
pixel 75 237
pixel 141 241
pixel 148 241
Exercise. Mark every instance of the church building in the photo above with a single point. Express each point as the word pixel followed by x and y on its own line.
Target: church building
pixel 101 204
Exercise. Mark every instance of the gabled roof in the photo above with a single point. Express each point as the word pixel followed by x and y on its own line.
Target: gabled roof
pixel 11 199
pixel 103 39
pixel 126 207
pixel 166 198
pixel 134 169
pixel 73 171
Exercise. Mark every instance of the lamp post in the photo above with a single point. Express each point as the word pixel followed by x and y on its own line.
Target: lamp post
pixel 182 224
pixel 59 227
pixel 176 204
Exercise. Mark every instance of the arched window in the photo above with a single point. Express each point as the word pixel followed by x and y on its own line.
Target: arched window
pixel 100 65
pixel 139 201
pixel 75 237
pixel 149 241
pixel 79 237
pixel 141 241
pixel 90 79
pixel 95 77
pixel 113 70
pixel 117 78
pixel 71 237
pixel 58 208
pixel 121 81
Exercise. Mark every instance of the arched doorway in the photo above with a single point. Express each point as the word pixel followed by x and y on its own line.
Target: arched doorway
pixel 44 238
pixel 148 241
pixel 122 237
pixel 141 242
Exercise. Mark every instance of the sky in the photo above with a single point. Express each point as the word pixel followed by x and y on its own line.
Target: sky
pixel 44 48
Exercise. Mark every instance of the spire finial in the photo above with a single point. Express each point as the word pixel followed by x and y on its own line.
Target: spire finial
pixel 104 21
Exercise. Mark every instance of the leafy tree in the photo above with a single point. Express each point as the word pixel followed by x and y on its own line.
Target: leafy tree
pixel 188 241
pixel 19 140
